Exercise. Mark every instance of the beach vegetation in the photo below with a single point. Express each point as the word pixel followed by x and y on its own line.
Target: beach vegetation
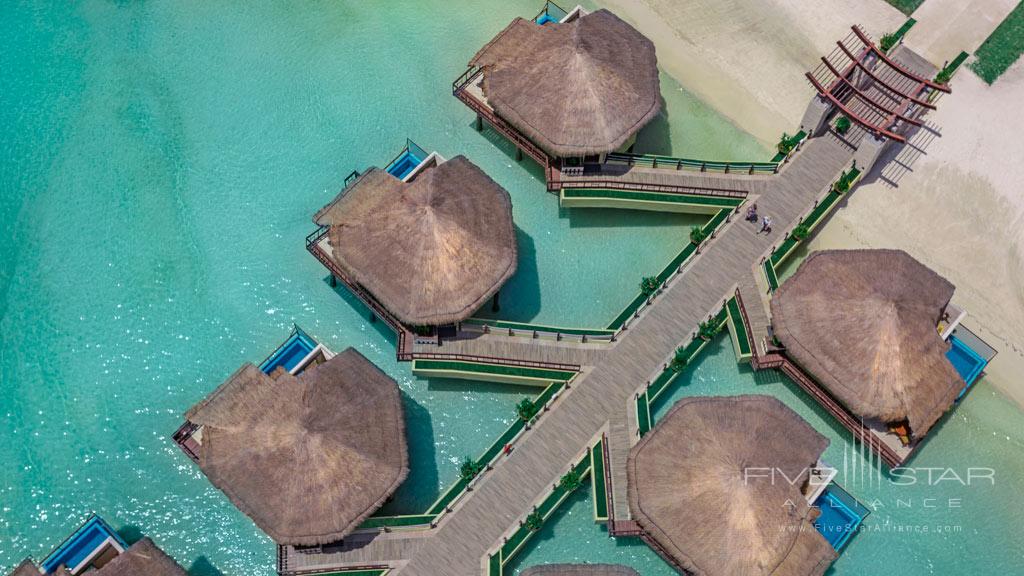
pixel 888 41
pixel 1002 48
pixel 570 481
pixel 698 235
pixel 469 469
pixel 534 521
pixel 648 285
pixel 801 232
pixel 786 144
pixel 843 124
pixel 905 6
pixel 845 181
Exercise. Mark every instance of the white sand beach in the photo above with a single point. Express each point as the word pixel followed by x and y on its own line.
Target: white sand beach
pixel 958 205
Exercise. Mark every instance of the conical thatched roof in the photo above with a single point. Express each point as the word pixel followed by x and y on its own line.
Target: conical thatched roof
pixel 863 323
pixel 142 558
pixel 584 87
pixel 310 457
pixel 701 484
pixel 580 570
pixel 432 251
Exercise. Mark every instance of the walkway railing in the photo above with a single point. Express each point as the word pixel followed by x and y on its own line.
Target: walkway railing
pixel 551 13
pixel 670 163
pixel 460 91
pixel 634 186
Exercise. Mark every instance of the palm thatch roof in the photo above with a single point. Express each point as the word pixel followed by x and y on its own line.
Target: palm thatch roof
pixel 579 88
pixel 701 485
pixel 142 558
pixel 580 570
pixel 308 458
pixel 864 324
pixel 433 250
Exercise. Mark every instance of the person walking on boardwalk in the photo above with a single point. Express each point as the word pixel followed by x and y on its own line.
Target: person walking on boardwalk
pixel 766 225
pixel 752 213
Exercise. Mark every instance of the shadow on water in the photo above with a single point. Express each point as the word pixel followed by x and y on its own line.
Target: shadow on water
pixel 203 567
pixel 130 533
pixel 520 297
pixel 655 137
pixel 498 140
pixel 419 489
pixel 379 325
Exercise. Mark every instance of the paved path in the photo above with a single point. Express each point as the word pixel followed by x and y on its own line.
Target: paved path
pixel 603 395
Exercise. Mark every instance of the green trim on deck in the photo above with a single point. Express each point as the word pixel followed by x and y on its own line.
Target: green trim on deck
pixel 770 275
pixel 665 197
pixel 481 368
pixel 643 414
pixel 597 482
pixel 539 327
pixel 738 331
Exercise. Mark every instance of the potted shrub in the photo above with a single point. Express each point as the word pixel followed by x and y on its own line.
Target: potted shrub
pixel 707 331
pixel 843 125
pixel 648 286
pixel 526 410
pixel 801 232
pixel 697 235
pixel 570 481
pixel 888 41
pixel 469 469
pixel 679 360
pixel 533 522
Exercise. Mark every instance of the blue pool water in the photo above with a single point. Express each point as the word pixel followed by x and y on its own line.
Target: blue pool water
pixel 545 18
pixel 967 362
pixel 404 164
pixel 837 521
pixel 80 545
pixel 294 349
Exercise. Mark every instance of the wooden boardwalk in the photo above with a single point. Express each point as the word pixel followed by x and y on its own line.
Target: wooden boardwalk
pixel 604 394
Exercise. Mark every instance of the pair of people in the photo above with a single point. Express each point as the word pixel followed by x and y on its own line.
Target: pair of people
pixel 766 222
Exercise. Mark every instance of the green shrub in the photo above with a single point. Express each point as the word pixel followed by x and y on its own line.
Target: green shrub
pixel 526 410
pixel 648 285
pixel 679 360
pixel 801 232
pixel 843 124
pixel 786 145
pixel 707 330
pixel 888 41
pixel 533 522
pixel 469 469
pixel 697 235
pixel 570 481
pixel 943 76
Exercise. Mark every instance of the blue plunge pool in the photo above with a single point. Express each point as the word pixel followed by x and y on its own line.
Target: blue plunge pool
pixel 967 362
pixel 90 538
pixel 401 167
pixel 289 354
pixel 840 517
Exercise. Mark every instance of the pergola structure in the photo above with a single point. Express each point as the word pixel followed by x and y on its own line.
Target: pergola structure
pixel 873 90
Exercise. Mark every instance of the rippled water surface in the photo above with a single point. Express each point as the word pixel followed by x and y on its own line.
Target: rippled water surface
pixel 158 170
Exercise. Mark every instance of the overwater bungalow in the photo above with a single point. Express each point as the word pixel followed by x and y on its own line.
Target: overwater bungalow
pixel 876 331
pixel 730 485
pixel 95 548
pixel 580 570
pixel 308 457
pixel 424 253
pixel 565 89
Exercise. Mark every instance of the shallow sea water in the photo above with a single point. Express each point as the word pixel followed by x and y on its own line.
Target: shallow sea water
pixel 160 165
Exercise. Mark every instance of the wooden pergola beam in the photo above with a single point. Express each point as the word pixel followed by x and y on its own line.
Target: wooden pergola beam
pixel 871 74
pixel 879 130
pixel 864 97
pixel 907 73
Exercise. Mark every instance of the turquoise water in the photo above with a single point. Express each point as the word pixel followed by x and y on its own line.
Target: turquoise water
pixel 938 527
pixel 160 165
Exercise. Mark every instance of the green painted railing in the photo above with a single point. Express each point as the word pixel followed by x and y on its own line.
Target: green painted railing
pixel 665 197
pixel 640 300
pixel 739 329
pixel 493 369
pixel 669 377
pixel 515 541
pixel 459 487
pixel 597 482
pixel 672 163
pixel 527 327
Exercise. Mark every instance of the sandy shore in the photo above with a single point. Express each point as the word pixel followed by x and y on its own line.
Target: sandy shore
pixel 747 58
pixel 957 205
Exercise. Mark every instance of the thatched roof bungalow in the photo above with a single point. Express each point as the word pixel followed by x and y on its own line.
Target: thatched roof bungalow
pixel 432 251
pixel 718 485
pixel 141 558
pixel 863 324
pixel 580 570
pixel 576 89
pixel 307 457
